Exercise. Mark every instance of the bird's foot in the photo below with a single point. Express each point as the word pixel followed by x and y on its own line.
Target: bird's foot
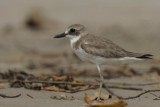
pixel 99 99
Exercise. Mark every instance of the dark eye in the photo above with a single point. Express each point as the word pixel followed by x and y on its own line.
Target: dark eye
pixel 72 30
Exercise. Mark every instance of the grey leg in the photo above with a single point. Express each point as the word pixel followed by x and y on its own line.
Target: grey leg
pixel 101 80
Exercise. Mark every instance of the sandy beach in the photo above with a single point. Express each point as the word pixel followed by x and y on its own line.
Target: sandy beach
pixel 27 29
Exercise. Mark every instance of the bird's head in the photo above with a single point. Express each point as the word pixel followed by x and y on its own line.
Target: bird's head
pixel 73 31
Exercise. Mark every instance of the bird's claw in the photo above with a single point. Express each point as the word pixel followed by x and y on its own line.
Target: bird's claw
pixel 99 99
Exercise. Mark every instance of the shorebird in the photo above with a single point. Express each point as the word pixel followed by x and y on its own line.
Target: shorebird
pixel 97 49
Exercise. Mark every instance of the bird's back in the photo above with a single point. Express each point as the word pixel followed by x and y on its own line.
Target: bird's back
pixel 102 47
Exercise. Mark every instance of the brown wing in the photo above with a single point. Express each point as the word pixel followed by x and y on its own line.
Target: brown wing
pixel 102 47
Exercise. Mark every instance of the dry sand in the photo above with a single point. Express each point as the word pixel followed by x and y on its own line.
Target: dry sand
pixel 134 25
pixel 43 98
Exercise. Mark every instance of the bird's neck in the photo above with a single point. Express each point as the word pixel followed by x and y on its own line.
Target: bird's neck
pixel 74 39
pixel 74 42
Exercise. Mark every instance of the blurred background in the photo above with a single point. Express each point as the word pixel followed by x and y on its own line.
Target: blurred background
pixel 27 28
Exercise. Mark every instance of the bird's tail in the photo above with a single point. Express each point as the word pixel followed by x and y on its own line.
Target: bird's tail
pixel 145 56
pixel 139 55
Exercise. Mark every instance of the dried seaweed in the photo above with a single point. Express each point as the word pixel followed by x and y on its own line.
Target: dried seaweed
pixel 68 84
pixel 94 103
pixel 7 96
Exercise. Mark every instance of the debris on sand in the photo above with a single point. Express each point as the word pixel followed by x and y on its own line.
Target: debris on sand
pixel 154 70
pixel 63 97
pixel 103 103
pixel 49 82
pixel 7 96
pixel 36 20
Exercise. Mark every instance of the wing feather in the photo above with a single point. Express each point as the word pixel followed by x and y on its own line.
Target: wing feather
pixel 102 47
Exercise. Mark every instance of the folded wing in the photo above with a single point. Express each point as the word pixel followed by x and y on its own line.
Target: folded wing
pixel 105 48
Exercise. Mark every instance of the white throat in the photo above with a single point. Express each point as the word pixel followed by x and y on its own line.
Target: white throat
pixel 74 39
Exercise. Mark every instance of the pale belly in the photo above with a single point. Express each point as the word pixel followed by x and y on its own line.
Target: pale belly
pixel 89 58
pixel 102 60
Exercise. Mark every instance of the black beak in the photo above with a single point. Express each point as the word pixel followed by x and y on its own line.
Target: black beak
pixel 60 35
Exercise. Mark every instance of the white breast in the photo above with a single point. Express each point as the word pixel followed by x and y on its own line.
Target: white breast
pixel 80 52
pixel 85 56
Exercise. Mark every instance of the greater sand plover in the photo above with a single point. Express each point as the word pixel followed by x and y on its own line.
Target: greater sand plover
pixel 97 49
